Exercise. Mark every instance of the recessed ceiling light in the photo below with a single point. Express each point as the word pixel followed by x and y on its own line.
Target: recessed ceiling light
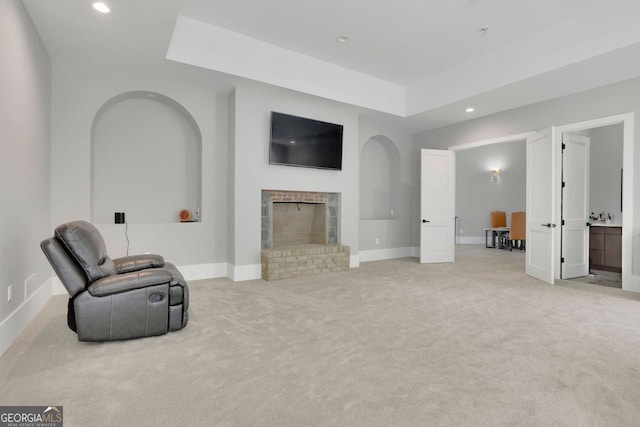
pixel 101 7
pixel 470 110
pixel 342 39
pixel 292 142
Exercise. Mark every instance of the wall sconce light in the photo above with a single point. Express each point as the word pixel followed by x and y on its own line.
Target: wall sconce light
pixel 495 173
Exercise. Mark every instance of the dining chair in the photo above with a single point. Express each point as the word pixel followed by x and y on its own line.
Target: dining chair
pixel 498 219
pixel 518 232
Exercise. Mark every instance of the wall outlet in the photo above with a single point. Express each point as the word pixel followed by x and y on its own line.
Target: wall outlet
pixel 392 212
pixel 377 241
pixel 461 231
pixel 9 293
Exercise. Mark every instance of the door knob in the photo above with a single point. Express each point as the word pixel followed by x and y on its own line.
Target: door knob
pixel 549 225
pixel 424 221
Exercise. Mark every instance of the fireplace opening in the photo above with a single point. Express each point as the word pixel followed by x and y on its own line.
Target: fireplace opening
pixel 294 218
pixel 299 223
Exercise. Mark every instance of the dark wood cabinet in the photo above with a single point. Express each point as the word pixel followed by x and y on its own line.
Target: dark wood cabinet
pixel 605 248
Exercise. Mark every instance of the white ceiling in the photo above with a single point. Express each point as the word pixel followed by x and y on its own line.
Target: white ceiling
pixel 418 63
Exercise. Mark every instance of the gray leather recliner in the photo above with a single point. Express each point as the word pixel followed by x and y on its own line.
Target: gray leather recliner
pixel 129 297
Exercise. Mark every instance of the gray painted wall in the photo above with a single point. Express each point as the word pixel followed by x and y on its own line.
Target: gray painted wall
pixel 477 193
pixel 379 167
pixel 253 105
pixel 391 232
pixel 78 93
pixel 25 121
pixel 235 132
pixel 606 163
pixel 123 138
pixel 619 98
pixel 231 179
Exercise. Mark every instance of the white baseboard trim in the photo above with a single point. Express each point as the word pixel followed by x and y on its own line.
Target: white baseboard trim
pixel 391 253
pixel 354 261
pixel 240 273
pixel 630 282
pixel 14 324
pixel 470 240
pixel 204 271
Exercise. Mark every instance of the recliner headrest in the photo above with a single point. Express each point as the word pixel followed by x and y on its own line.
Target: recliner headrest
pixel 85 243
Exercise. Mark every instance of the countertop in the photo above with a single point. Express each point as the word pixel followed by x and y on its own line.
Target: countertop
pixel 604 224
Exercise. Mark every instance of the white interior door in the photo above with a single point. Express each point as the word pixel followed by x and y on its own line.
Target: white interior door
pixel 540 195
pixel 575 206
pixel 437 206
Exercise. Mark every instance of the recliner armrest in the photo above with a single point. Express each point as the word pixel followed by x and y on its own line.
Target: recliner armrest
pixel 125 282
pixel 131 263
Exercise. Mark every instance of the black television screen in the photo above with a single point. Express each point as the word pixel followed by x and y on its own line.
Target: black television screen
pixel 296 141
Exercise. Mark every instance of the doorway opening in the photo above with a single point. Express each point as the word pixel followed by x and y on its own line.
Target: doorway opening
pixel 626 121
pixel 592 194
pixel 490 176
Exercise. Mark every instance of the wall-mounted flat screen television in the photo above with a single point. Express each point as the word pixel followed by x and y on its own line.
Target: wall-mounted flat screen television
pixel 297 141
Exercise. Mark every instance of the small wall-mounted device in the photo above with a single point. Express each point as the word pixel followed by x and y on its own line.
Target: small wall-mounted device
pixel 119 218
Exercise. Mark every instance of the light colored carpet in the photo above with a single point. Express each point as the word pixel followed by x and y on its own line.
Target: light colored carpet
pixel 392 343
pixel 602 278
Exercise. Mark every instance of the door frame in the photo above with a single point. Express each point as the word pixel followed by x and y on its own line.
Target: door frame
pixel 629 281
pixel 519 137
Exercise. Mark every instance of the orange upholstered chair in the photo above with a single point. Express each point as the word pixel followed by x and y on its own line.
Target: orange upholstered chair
pixel 518 230
pixel 498 219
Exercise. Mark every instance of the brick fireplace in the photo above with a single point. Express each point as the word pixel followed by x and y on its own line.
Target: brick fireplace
pixel 296 223
pixel 300 234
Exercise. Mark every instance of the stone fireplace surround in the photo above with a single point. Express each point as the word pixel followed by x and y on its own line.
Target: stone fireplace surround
pixel 293 252
pixel 331 202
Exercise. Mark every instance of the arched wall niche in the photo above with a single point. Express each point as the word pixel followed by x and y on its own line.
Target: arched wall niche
pixel 379 179
pixel 146 159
